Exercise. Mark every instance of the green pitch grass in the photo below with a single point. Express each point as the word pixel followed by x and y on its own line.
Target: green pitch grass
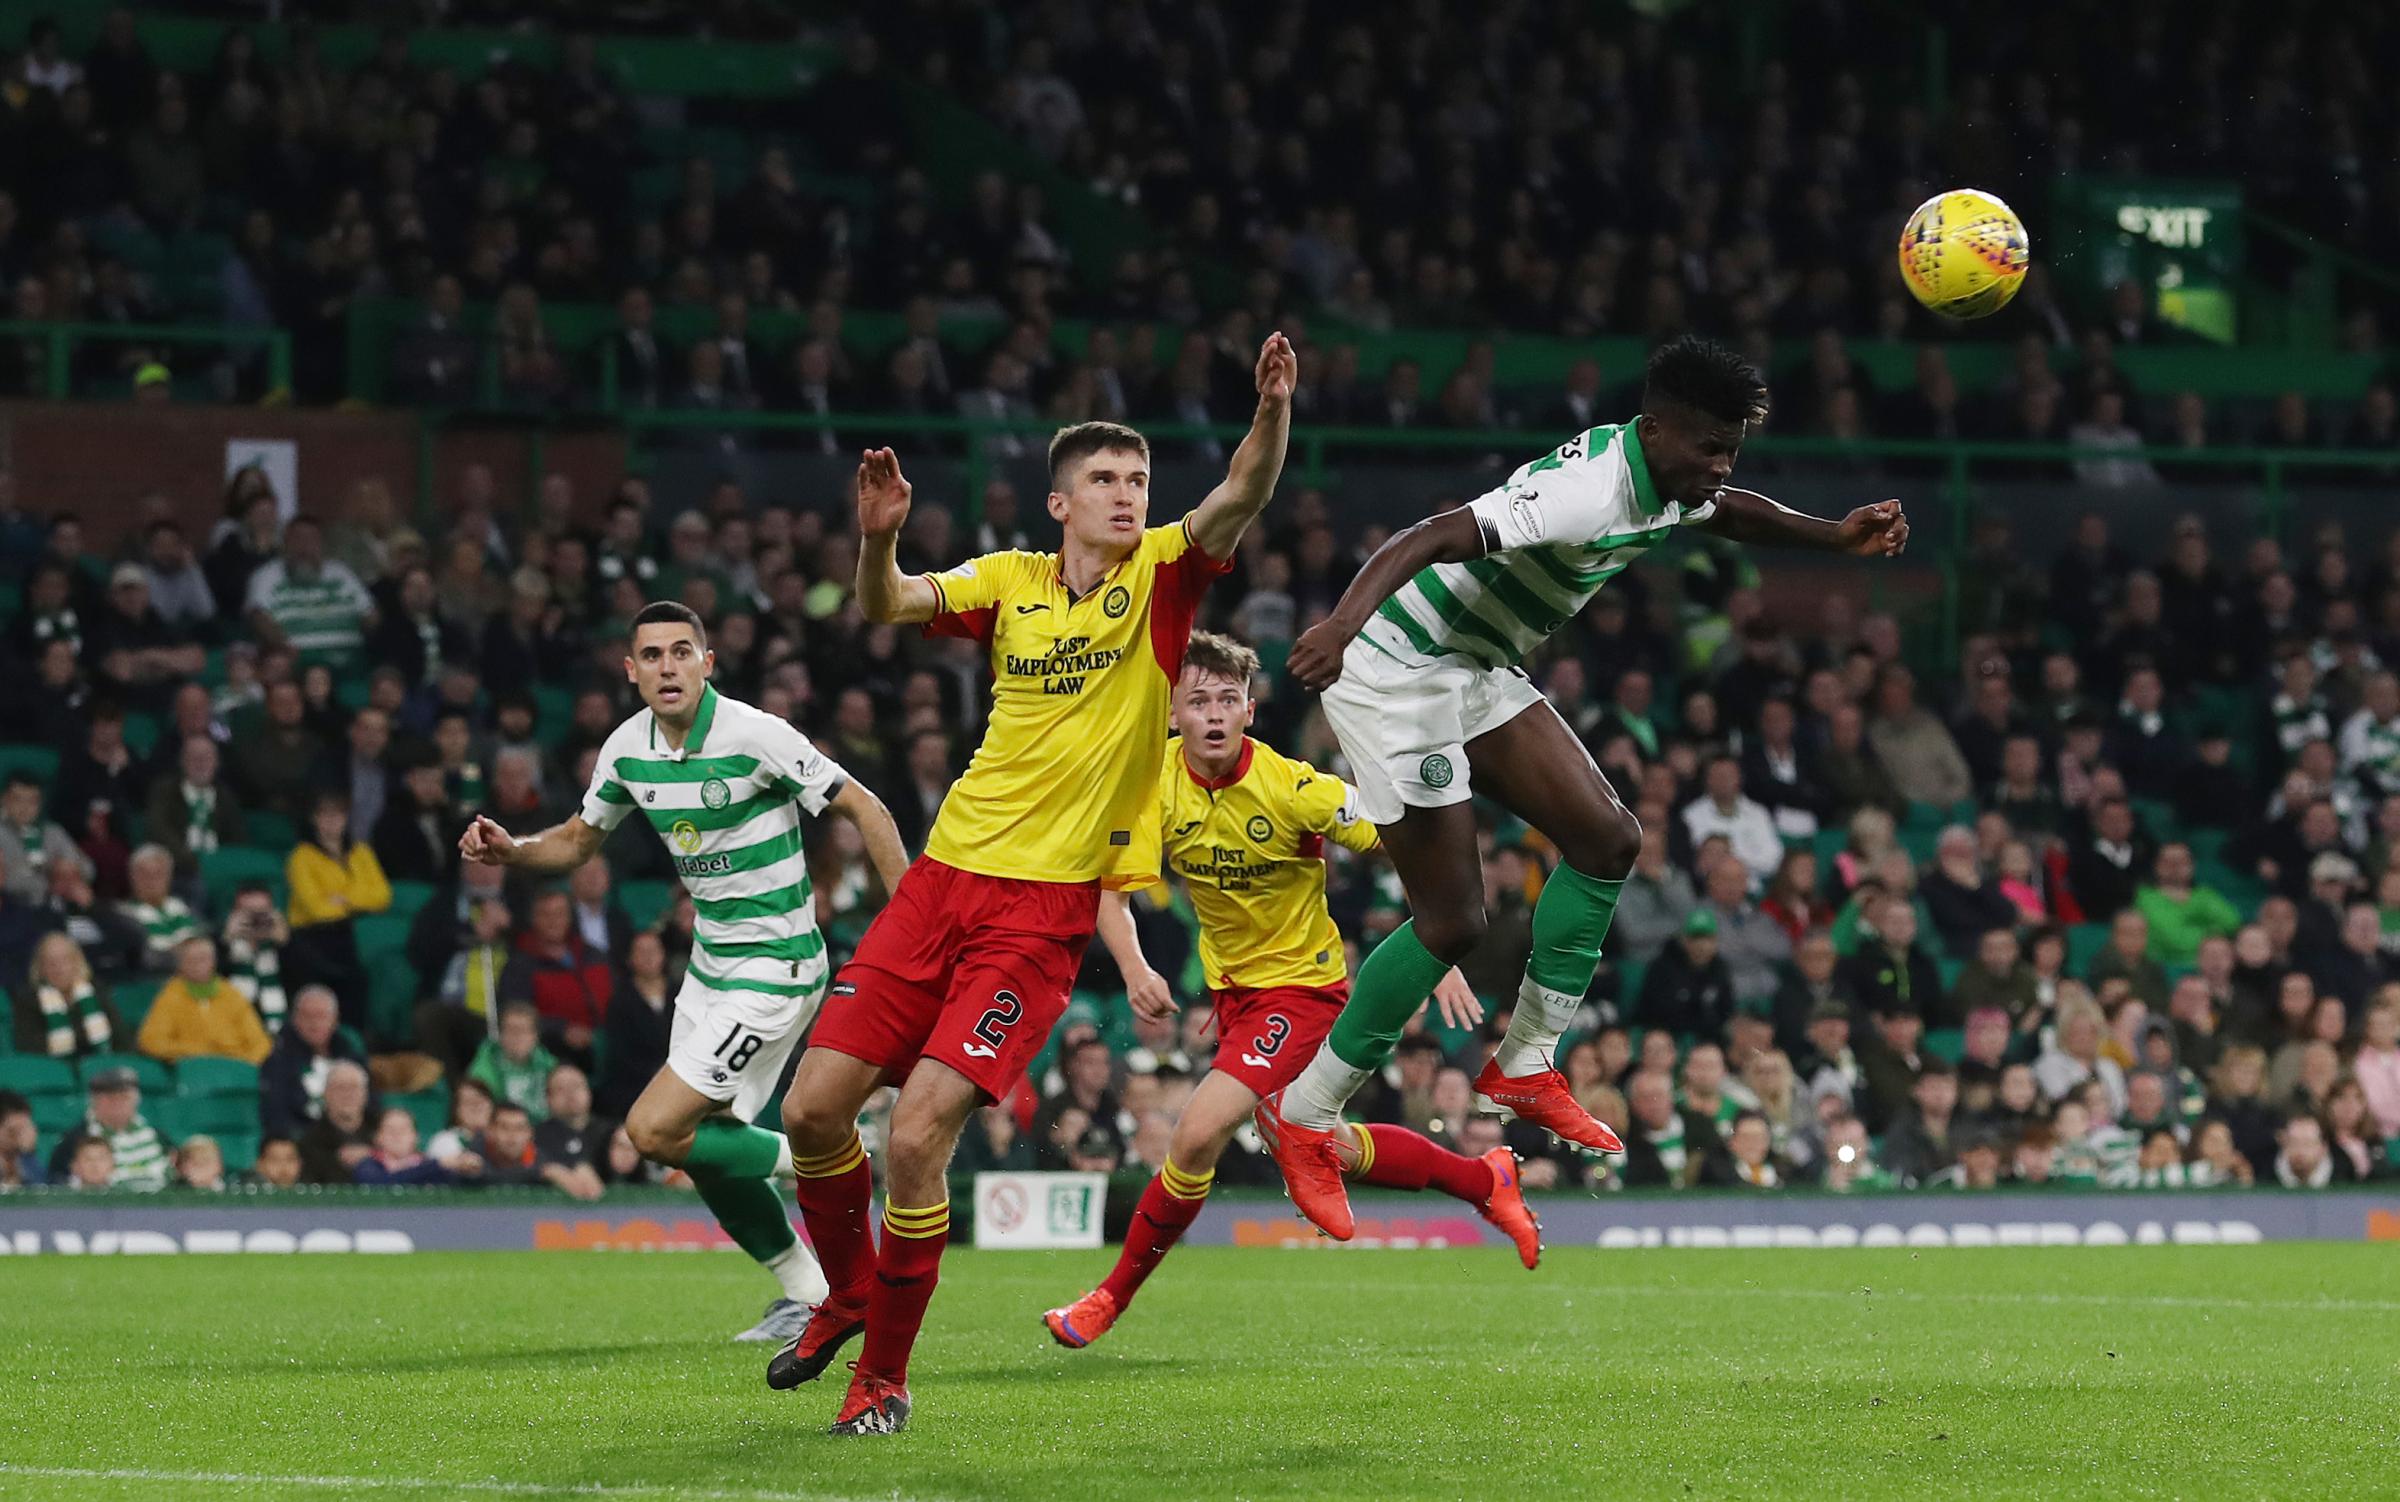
pixel 2194 1372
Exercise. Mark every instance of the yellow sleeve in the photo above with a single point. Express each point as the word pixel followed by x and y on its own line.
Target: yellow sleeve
pixel 318 886
pixel 369 891
pixel 1326 805
pixel 977 584
pixel 1170 767
pixel 162 1033
pixel 249 1035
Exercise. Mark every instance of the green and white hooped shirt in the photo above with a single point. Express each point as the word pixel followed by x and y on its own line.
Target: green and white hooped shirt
pixel 1553 534
pixel 729 806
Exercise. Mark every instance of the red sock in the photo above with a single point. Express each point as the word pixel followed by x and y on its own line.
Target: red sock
pixel 905 1275
pixel 835 1192
pixel 1168 1207
pixel 1397 1158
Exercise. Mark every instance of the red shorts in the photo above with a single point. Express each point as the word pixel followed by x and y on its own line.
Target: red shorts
pixel 1265 1037
pixel 971 970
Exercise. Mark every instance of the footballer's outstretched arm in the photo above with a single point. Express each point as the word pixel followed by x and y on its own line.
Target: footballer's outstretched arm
pixel 1218 522
pixel 1452 537
pixel 1877 531
pixel 554 852
pixel 886 595
pixel 876 829
pixel 1145 989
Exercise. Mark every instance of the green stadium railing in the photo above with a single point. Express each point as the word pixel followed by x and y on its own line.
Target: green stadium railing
pixel 685 66
pixel 579 332
pixel 60 341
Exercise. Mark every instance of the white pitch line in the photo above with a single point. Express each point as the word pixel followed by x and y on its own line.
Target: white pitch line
pixel 1868 1294
pixel 422 1484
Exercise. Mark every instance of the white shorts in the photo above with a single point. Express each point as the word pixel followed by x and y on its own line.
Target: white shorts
pixel 731 1045
pixel 1405 729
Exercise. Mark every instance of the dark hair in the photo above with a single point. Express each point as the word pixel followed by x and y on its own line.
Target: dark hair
pixel 11 1103
pixel 272 1138
pixel 1084 439
pixel 671 613
pixel 1706 376
pixel 501 1108
pixel 1221 657
pixel 1935 1064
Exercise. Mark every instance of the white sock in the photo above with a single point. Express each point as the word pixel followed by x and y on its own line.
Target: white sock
pixel 1316 1098
pixel 796 1269
pixel 1531 1042
pixel 783 1160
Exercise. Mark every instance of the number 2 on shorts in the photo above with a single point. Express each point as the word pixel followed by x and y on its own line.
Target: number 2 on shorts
pixel 1003 1013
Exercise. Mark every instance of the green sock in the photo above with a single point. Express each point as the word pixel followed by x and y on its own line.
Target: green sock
pixel 1570 921
pixel 1393 982
pixel 748 1207
pixel 1569 924
pixel 732 1148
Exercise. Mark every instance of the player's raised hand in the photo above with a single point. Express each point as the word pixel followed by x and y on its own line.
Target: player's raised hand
pixel 486 843
pixel 883 493
pixel 1316 659
pixel 1877 531
pixel 1149 996
pixel 1459 1005
pixel 1278 368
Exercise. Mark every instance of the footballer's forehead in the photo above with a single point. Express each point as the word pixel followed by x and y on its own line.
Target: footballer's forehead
pixel 1114 463
pixel 1198 679
pixel 664 636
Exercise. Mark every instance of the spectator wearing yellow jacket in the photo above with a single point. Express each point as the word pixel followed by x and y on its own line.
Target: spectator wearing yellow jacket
pixel 199 1012
pixel 333 879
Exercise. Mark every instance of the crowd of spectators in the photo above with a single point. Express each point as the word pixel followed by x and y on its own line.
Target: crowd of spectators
pixel 2115 901
pixel 1304 169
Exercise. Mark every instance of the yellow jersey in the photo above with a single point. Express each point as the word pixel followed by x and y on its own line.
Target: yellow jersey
pixel 1251 850
pixel 1065 785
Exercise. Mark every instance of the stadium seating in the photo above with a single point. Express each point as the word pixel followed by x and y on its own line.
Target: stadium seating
pixel 152 1075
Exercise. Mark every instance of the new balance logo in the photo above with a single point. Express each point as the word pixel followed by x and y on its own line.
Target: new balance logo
pixel 1254 1061
pixel 979 1051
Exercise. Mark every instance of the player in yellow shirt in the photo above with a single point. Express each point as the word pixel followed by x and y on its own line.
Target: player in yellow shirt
pixel 960 978
pixel 1245 827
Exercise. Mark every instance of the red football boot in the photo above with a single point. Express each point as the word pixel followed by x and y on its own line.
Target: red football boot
pixel 1505 1207
pixel 1084 1321
pixel 1311 1168
pixel 872 1406
pixel 1544 1100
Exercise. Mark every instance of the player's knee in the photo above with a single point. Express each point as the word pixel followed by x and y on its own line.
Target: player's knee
pixel 1195 1151
pixel 1607 848
pixel 1450 936
pixel 919 1143
pixel 815 1127
pixel 652 1138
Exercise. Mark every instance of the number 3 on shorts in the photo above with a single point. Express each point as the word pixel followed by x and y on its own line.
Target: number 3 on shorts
pixel 744 1048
